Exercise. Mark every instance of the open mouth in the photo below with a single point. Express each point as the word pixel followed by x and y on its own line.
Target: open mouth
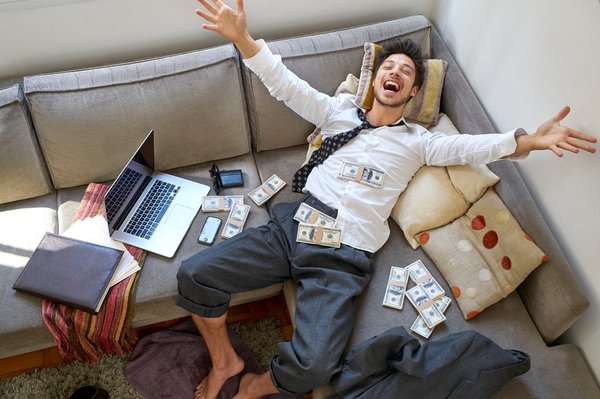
pixel 392 86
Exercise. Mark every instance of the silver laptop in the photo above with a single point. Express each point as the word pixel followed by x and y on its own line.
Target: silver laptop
pixel 149 209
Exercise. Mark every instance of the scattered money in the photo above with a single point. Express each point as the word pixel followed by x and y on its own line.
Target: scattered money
pixel 220 203
pixel 396 288
pixel 418 272
pixel 309 215
pixel 427 296
pixel 424 304
pixel 265 191
pixel 236 220
pixel 362 174
pixel 318 235
pixel 420 327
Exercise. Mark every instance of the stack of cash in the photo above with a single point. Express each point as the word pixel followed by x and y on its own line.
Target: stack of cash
pixel 308 215
pixel 421 327
pixel 424 294
pixel 236 220
pixel 362 174
pixel 220 203
pixel 427 296
pixel 318 235
pixel 265 191
pixel 396 288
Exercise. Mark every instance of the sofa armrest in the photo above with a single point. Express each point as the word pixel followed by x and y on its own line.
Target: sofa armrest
pixel 552 294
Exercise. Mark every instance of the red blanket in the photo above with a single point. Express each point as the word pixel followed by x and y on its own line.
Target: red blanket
pixel 84 336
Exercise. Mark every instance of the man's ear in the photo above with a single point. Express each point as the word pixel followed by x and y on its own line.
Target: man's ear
pixel 414 91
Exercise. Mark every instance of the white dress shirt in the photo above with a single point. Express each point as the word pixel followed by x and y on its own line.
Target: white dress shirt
pixel 399 151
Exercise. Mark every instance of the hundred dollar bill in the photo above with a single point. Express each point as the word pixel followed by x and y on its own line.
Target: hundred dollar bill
pixel 421 328
pixel 394 296
pixel 432 316
pixel 220 203
pixel 362 173
pixel 396 288
pixel 265 191
pixel 418 272
pixel 309 215
pixel 236 220
pixel 442 303
pixel 433 289
pixel 425 306
pixel 317 235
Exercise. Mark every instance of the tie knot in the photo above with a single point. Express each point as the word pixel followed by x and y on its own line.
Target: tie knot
pixel 367 125
pixel 363 118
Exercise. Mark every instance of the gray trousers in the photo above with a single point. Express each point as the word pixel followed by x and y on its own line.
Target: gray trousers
pixel 329 281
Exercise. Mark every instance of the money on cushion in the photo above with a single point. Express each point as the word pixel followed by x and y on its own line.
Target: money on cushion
pixel 425 306
pixel 268 189
pixel 420 326
pixel 396 288
pixel 236 220
pixel 220 203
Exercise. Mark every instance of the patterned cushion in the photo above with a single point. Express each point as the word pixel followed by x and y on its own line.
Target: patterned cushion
pixel 424 107
pixel 483 255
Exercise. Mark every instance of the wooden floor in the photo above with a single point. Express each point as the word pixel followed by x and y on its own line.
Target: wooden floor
pixel 274 306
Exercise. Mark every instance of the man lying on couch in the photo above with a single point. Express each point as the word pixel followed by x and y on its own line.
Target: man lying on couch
pixel 329 279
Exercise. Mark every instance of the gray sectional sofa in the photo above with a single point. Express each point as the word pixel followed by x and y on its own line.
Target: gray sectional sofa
pixel 61 131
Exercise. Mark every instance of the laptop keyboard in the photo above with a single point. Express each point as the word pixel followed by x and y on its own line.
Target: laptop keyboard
pixel 115 199
pixel 152 209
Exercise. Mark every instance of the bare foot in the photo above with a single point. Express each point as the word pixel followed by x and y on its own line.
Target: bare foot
pixel 254 386
pixel 210 386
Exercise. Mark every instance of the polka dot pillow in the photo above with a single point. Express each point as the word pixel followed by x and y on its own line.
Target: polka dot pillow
pixel 483 255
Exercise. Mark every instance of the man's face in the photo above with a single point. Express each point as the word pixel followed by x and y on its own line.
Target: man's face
pixel 394 81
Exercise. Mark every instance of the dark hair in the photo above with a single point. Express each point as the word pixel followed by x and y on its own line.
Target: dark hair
pixel 408 47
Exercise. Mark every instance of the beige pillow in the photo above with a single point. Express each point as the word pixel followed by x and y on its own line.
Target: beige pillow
pixel 484 255
pixel 437 195
pixel 429 201
pixel 424 107
pixel 471 181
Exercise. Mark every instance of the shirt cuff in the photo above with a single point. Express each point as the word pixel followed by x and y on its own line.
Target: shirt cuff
pixel 517 133
pixel 262 60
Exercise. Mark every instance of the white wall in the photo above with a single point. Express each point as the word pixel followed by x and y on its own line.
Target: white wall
pixel 93 32
pixel 525 60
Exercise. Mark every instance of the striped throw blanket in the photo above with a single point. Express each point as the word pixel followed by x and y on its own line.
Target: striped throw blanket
pixel 84 336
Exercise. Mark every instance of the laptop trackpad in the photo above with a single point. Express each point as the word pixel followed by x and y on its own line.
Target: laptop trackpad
pixel 180 217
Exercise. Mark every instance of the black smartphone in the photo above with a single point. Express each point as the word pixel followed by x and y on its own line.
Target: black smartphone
pixel 209 230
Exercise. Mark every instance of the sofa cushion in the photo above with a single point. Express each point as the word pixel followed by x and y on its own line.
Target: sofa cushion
pixel 91 121
pixel 157 286
pixel 311 58
pixel 24 223
pixel 22 171
pixel 484 255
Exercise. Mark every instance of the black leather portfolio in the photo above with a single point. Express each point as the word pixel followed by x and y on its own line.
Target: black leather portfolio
pixel 69 271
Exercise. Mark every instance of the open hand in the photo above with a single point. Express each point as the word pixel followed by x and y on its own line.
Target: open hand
pixel 551 135
pixel 229 23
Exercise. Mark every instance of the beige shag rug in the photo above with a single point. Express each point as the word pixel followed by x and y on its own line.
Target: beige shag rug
pixel 60 382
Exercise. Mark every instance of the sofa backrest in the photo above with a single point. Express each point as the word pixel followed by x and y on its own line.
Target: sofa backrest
pixel 22 171
pixel 89 122
pixel 324 61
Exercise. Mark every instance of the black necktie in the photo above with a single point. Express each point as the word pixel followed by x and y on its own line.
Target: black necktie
pixel 328 147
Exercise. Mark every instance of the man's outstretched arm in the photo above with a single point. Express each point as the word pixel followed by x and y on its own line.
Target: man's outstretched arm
pixel 553 136
pixel 229 23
